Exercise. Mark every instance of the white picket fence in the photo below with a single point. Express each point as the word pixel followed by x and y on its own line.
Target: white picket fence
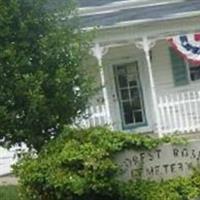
pixel 7 158
pixel 93 116
pixel 179 112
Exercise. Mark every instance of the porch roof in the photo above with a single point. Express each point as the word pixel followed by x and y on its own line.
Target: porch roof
pixel 109 13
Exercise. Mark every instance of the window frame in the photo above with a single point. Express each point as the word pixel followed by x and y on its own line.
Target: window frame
pixel 189 73
pixel 136 124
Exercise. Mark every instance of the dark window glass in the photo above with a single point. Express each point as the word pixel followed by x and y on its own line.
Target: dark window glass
pixel 194 72
pixel 132 83
pixel 136 105
pixel 128 114
pixel 125 94
pixel 134 93
pixel 123 81
pixel 127 107
pixel 128 118
pixel 121 70
pixel 138 117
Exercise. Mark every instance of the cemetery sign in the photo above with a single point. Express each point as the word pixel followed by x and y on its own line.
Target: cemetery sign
pixel 165 162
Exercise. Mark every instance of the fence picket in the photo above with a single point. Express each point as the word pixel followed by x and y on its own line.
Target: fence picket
pixel 186 122
pixel 179 112
pixel 168 113
pixel 162 116
pixel 180 116
pixel 173 109
pixel 93 116
pixel 198 107
pixel 195 109
pixel 190 110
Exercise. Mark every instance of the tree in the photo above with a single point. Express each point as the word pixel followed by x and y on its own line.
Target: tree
pixel 43 84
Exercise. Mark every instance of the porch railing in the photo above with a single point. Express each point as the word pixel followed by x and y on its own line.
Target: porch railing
pixel 179 112
pixel 93 116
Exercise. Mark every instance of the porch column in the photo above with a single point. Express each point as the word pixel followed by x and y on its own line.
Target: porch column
pixel 99 52
pixel 146 45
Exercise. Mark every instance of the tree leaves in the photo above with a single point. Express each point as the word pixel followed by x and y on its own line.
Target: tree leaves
pixel 41 64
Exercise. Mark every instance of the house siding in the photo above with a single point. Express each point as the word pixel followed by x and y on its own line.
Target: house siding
pixel 162 71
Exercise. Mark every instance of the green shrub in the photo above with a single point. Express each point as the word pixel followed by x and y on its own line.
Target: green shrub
pixel 177 189
pixel 79 166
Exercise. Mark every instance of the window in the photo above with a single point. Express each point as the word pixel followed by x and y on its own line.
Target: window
pixel 183 72
pixel 194 72
pixel 129 92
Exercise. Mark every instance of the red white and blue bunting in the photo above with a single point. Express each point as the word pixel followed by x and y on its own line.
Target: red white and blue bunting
pixel 188 46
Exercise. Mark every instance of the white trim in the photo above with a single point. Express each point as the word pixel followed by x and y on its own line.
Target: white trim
pixel 105 94
pixel 123 5
pixel 99 52
pixel 159 30
pixel 167 18
pixel 115 115
pixel 146 46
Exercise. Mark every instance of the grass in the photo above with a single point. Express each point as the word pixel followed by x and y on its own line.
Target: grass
pixel 8 193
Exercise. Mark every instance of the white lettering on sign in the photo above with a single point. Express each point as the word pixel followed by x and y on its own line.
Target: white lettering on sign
pixel 165 162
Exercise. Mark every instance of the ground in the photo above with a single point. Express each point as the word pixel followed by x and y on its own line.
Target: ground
pixel 8 180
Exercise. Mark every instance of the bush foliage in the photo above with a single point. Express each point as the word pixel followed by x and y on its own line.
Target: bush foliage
pixel 79 165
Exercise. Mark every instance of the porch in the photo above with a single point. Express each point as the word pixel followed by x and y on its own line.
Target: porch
pixel 178 113
pixel 169 104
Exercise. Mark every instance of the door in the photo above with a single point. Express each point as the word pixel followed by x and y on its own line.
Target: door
pixel 129 92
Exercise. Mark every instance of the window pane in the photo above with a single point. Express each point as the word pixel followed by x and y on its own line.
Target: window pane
pixel 134 93
pixel 194 72
pixel 128 114
pixel 127 107
pixel 128 118
pixel 132 83
pixel 123 81
pixel 136 105
pixel 125 94
pixel 138 116
pixel 121 70
pixel 132 80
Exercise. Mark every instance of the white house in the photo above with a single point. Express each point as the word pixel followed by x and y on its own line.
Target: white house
pixel 147 86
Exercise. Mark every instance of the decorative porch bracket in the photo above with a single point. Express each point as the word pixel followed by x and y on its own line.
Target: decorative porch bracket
pixel 98 52
pixel 146 46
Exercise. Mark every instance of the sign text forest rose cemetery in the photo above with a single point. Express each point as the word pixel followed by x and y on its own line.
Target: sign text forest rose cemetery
pixel 165 162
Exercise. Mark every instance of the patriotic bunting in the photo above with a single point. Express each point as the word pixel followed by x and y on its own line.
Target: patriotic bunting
pixel 188 46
